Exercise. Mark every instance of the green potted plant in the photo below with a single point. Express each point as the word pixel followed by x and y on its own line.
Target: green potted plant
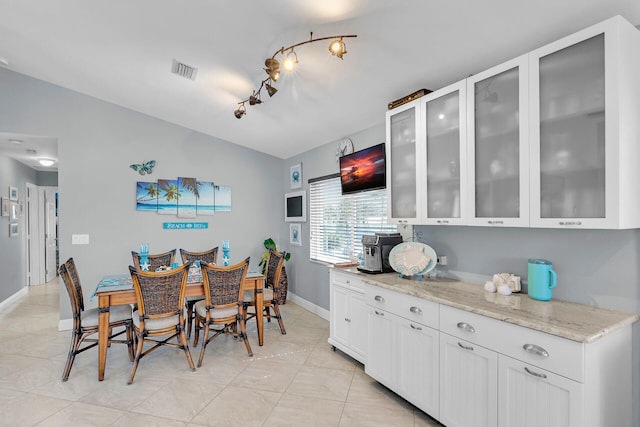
pixel 284 282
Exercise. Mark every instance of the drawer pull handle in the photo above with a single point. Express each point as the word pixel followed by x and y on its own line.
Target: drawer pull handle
pixel 346 319
pixel 379 313
pixel 378 298
pixel 415 310
pixel 535 374
pixel 495 222
pixel 535 349
pixel 465 347
pixel 570 223
pixel 348 282
pixel 466 327
pixel 417 328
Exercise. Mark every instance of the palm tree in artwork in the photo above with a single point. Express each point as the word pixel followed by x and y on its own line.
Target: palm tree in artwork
pixel 151 189
pixel 191 185
pixel 171 192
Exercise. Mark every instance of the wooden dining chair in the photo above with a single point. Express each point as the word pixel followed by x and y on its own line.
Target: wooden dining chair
pixel 272 292
pixel 155 260
pixel 222 304
pixel 85 322
pixel 160 299
pixel 210 257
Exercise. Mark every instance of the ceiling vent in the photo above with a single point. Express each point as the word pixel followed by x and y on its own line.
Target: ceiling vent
pixel 184 70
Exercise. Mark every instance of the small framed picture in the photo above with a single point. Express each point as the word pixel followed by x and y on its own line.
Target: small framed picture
pixel 14 211
pixel 13 193
pixel 295 176
pixel 13 229
pixel 295 238
pixel 6 206
pixel 295 206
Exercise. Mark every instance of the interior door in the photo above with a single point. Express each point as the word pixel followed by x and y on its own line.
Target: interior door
pixel 51 233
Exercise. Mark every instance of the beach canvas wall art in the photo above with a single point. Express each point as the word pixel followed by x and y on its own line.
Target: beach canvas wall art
pixel 147 196
pixel 188 197
pixel 222 198
pixel 206 201
pixel 168 195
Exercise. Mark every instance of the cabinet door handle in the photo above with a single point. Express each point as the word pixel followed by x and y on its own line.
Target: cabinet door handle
pixel 442 221
pixel 379 313
pixel 466 327
pixel 347 319
pixel 570 222
pixel 415 310
pixel 465 347
pixel 535 349
pixel 535 374
pixel 348 282
pixel 378 298
pixel 417 328
pixel 495 222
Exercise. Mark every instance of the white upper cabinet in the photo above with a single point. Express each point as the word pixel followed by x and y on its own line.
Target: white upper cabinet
pixel 445 156
pixel 585 128
pixel 498 147
pixel 403 157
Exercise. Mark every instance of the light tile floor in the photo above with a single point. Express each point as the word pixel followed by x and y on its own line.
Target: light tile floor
pixel 293 380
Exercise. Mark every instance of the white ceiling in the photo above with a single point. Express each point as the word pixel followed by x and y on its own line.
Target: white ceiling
pixel 121 51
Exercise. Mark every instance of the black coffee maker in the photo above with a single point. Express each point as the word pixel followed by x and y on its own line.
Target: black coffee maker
pixel 376 250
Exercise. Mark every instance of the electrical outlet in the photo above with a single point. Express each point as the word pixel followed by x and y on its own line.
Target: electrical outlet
pixel 442 260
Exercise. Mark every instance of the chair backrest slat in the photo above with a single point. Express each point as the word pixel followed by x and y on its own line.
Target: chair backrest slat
pixel 223 284
pixel 71 279
pixel 160 294
pixel 155 260
pixel 210 256
pixel 275 262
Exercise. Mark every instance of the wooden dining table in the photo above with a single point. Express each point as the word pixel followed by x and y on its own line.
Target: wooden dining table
pixel 119 293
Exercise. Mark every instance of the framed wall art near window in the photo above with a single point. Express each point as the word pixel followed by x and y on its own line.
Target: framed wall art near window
pixel 295 176
pixel 13 229
pixel 13 193
pixel 6 206
pixel 295 234
pixel 14 211
pixel 295 206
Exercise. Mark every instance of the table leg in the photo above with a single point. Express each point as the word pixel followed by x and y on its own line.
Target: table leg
pixel 259 314
pixel 103 334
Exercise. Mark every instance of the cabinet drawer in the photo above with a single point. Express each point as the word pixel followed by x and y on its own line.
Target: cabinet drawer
pixel 347 280
pixel 558 355
pixel 412 308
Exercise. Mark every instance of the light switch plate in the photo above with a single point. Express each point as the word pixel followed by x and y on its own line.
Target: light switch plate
pixel 79 239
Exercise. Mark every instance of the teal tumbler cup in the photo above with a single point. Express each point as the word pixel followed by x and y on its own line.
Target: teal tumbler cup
pixel 542 279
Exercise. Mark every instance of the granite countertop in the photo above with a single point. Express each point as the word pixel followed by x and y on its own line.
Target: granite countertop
pixel 577 322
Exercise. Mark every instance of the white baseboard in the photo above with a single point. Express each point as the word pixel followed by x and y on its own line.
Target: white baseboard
pixel 309 306
pixel 12 299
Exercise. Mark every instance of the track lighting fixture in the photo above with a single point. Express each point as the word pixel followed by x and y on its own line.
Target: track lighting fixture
pixel 289 62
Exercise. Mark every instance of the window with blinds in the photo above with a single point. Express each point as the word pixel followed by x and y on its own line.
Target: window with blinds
pixel 337 222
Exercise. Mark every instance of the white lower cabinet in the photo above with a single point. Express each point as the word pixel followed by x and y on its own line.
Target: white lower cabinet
pixel 468 383
pixel 403 354
pixel 467 369
pixel 348 330
pixel 530 396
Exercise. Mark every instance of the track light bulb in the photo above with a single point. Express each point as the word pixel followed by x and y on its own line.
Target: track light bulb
pixel 338 48
pixel 290 61
pixel 273 68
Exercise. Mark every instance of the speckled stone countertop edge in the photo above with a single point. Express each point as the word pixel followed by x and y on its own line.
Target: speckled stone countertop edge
pixel 573 321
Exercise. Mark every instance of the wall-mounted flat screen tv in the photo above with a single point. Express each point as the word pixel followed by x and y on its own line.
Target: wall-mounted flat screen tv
pixel 363 170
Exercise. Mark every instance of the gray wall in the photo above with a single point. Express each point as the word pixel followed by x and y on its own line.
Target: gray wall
pixel 47 178
pixel 13 250
pixel 97 142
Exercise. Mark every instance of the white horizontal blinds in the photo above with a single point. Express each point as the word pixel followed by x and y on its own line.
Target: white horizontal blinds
pixel 338 222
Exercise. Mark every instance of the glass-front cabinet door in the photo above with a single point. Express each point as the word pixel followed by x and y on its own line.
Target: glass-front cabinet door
pixel 497 102
pixel 403 136
pixel 584 141
pixel 445 126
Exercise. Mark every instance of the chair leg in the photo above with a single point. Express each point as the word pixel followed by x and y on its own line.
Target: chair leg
pixel 131 342
pixel 243 335
pixel 196 332
pixel 267 313
pixel 75 343
pixel 276 310
pixel 189 319
pixel 205 340
pixel 182 338
pixel 137 358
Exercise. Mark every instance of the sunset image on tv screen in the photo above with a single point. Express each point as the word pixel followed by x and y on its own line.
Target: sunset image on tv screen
pixel 363 170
